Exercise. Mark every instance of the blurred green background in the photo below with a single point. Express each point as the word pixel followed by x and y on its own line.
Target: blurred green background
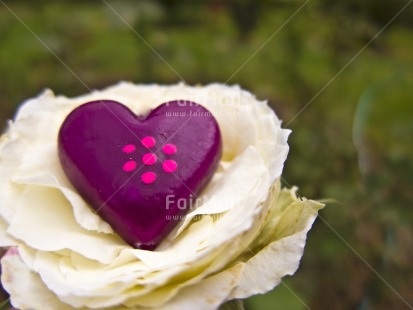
pixel 339 73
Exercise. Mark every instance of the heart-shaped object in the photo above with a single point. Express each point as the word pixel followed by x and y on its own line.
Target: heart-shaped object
pixel 141 174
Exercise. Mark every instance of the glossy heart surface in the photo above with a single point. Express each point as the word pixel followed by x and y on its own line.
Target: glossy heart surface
pixel 141 174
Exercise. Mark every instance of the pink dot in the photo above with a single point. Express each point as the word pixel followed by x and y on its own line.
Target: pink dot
pixel 148 177
pixel 149 159
pixel 148 141
pixel 129 166
pixel 129 148
pixel 169 149
pixel 169 166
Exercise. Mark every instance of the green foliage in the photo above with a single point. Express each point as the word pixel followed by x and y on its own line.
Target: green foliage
pixel 232 305
pixel 308 61
pixel 5 304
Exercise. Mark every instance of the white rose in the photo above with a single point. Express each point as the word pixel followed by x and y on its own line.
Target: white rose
pixel 243 237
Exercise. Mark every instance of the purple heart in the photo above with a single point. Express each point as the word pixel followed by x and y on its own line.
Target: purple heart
pixel 141 174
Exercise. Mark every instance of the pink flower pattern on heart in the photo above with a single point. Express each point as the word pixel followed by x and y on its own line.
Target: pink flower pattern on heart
pixel 150 159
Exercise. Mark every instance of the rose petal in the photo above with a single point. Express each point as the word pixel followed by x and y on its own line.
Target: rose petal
pixel 82 212
pixel 30 293
pixel 208 294
pixel 264 270
pixel 228 191
pixel 5 239
pixel 44 220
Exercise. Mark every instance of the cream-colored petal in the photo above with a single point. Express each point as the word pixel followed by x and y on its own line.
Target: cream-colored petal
pixel 44 220
pixel 208 294
pixel 230 190
pixel 26 289
pixel 79 281
pixel 281 257
pixel 83 213
pixel 5 239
